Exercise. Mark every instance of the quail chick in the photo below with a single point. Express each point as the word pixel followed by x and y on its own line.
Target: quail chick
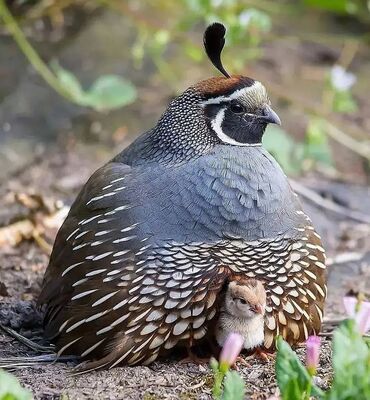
pixel 243 312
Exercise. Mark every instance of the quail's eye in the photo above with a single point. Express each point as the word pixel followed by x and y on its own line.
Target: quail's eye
pixel 236 108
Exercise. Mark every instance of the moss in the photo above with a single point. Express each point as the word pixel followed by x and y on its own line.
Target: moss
pixel 207 382
pixel 188 396
pixel 149 396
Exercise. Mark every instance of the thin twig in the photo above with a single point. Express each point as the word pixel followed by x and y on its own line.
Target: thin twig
pixel 328 204
pixel 24 362
pixel 349 51
pixel 197 385
pixel 32 56
pixel 342 258
pixel 335 321
pixel 42 243
pixel 348 141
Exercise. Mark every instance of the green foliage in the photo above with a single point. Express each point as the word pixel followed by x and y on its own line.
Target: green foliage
pixel 284 148
pixel 316 144
pixel 337 6
pixel 228 385
pixel 255 19
pixel 246 25
pixel 338 90
pixel 218 376
pixel 10 389
pixel 234 386
pixel 351 362
pixel 194 52
pixel 107 93
pixel 343 102
pixel 293 156
pixel 110 92
pixel 294 381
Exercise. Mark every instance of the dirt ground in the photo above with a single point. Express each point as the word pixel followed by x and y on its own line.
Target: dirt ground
pixel 52 180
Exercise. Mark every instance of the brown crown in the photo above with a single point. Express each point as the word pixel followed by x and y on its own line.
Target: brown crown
pixel 220 85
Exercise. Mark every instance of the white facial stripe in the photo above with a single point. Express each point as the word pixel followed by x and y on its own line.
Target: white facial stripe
pixel 234 95
pixel 217 127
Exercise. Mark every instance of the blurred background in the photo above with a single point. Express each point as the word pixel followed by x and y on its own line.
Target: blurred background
pixel 312 55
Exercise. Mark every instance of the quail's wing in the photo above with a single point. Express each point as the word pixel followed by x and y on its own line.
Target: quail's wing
pixel 296 288
pixel 113 294
pixel 294 275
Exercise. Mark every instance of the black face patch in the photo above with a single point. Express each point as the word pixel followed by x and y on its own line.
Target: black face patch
pixel 243 127
pixel 239 124
pixel 211 110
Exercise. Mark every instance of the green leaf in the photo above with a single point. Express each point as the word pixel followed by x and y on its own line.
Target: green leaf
pixel 351 362
pixel 213 363
pixel 69 81
pixel 344 102
pixel 286 151
pixel 339 6
pixel 109 92
pixel 317 146
pixel 253 18
pixel 194 52
pixel 293 378
pixel 159 41
pixel 10 389
pixel 234 387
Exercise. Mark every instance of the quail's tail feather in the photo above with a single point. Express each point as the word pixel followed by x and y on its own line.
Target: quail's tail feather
pixel 34 361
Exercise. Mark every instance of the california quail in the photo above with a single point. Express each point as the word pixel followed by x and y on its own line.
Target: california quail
pixel 243 312
pixel 153 236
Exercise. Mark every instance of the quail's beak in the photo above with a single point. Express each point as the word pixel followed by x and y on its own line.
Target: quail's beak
pixel 270 116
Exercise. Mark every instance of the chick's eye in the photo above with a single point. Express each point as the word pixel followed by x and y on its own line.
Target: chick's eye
pixel 242 301
pixel 236 108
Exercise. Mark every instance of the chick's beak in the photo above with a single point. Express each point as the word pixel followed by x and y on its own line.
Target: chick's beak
pixel 259 309
pixel 270 116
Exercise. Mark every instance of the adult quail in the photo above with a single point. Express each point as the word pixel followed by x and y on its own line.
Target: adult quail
pixel 156 233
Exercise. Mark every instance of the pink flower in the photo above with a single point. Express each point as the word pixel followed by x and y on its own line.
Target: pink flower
pixel 350 305
pixel 313 353
pixel 231 349
pixel 359 311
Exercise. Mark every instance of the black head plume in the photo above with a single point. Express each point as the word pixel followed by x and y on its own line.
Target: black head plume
pixel 214 41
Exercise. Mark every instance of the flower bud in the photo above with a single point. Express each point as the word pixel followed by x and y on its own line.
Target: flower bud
pixel 313 354
pixel 230 350
pixel 359 311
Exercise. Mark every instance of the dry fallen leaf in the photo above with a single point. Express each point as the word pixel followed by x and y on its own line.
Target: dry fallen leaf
pixel 13 234
pixel 43 220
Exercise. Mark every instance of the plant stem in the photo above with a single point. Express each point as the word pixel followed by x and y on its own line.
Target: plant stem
pixel 308 389
pixel 31 53
pixel 217 387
